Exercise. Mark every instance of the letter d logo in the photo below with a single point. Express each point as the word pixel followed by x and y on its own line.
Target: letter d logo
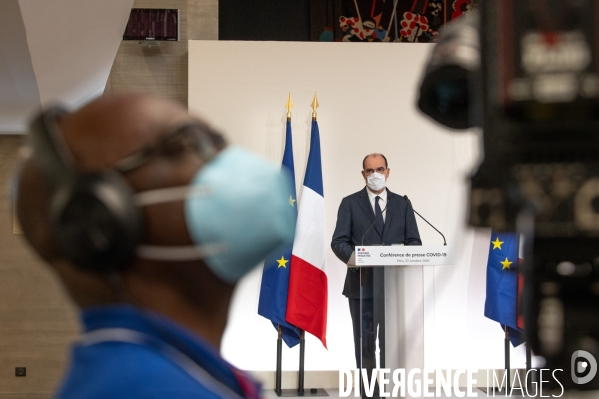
pixel 579 367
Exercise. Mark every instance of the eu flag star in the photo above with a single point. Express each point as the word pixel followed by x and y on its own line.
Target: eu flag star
pixel 291 201
pixel 282 262
pixel 497 243
pixel 506 264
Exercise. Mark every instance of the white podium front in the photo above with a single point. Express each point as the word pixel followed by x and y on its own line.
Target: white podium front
pixel 399 255
pixel 387 263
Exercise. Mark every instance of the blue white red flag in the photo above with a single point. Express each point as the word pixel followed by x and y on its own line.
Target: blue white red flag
pixel 308 283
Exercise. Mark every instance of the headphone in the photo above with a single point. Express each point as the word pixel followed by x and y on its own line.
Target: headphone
pixel 93 216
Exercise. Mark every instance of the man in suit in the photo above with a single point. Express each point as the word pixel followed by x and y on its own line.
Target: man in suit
pixel 372 216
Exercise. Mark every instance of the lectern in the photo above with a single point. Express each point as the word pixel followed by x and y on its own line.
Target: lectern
pixel 383 259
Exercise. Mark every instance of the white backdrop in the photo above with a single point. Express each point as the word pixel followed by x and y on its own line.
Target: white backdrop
pixel 367 94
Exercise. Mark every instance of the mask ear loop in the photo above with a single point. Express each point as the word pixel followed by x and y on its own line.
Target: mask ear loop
pixel 180 253
pixel 170 194
pixel 175 253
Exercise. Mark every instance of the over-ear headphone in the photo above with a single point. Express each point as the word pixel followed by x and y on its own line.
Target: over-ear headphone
pixel 93 216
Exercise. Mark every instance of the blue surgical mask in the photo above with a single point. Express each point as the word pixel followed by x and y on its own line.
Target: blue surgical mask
pixel 236 210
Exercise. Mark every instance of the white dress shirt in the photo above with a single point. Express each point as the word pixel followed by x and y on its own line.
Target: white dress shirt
pixel 382 201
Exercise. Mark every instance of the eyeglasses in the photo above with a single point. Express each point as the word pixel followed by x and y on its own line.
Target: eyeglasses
pixel 368 172
pixel 196 137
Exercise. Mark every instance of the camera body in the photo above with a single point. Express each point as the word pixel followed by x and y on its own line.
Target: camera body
pixel 536 96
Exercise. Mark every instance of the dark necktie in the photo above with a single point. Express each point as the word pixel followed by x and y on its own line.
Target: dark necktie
pixel 380 223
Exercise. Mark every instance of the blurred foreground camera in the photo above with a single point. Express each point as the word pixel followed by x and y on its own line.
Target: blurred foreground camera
pixel 445 91
pixel 535 93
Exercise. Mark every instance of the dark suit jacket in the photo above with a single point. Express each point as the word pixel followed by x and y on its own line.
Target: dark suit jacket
pixel 353 220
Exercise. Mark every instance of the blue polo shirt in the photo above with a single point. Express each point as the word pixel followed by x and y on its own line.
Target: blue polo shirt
pixel 130 353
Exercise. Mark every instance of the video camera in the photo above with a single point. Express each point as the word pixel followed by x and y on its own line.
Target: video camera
pixel 527 73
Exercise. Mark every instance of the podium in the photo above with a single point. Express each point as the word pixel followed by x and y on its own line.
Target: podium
pixel 385 261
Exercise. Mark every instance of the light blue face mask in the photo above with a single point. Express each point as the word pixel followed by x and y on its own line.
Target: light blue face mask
pixel 237 212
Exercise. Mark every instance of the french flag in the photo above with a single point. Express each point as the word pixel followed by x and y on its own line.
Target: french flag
pixel 308 283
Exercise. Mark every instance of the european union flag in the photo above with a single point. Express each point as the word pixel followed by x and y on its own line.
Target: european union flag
pixel 275 276
pixel 501 304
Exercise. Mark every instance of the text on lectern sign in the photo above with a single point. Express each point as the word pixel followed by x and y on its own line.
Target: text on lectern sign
pixel 403 255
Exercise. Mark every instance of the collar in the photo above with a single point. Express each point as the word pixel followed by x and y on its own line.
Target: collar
pixel 372 196
pixel 170 333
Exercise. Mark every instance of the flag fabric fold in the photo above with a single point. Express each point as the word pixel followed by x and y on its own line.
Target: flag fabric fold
pixel 275 275
pixel 308 283
pixel 501 304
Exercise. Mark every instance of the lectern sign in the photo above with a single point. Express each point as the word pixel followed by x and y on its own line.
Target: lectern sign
pixel 399 255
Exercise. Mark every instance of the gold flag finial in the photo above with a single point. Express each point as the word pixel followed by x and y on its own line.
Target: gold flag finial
pixel 314 106
pixel 289 105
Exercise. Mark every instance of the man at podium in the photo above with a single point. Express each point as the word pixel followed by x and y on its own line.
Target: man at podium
pixel 372 216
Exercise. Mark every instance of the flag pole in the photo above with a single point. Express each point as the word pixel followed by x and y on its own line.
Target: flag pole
pixel 528 364
pixel 279 361
pixel 300 388
pixel 507 359
pixel 278 390
pixel 289 106
pixel 314 105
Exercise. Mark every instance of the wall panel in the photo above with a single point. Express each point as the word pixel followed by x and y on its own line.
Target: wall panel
pixel 161 68
pixel 367 94
pixel 37 319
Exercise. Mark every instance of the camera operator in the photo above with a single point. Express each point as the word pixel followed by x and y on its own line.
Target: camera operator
pixel 144 212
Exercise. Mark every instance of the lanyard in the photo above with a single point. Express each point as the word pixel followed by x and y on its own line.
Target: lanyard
pixel 174 355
